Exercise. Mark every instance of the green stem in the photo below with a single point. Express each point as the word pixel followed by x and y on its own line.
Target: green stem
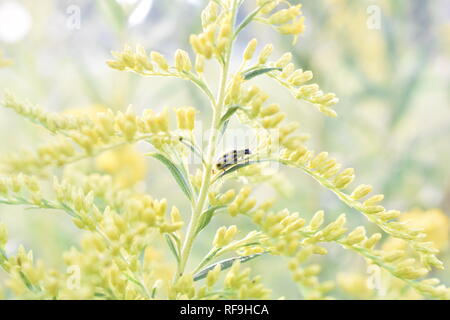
pixel 207 173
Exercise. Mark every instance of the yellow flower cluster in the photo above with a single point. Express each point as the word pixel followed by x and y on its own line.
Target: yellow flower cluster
pixel 237 285
pixel 125 164
pixel 103 187
pixel 251 244
pixel 307 277
pixel 276 226
pixel 282 70
pixel 217 32
pixel 304 240
pixel 11 187
pixel 282 226
pixel 137 60
pixel 55 153
pixel 154 64
pixel 222 199
pixel 224 236
pixel 242 203
pixel 253 99
pixel 114 241
pixel 250 104
pixel 243 286
pixel 52 121
pixel 26 274
pixel 296 81
pixel 92 135
pixel 327 172
pixel 288 21
pixel 185 118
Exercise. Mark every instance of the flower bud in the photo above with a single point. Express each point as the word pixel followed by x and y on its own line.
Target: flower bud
pixel 250 50
pixel 361 191
pixel 182 61
pixel 159 59
pixel 265 54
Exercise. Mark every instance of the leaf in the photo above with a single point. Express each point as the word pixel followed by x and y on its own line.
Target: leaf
pixel 172 247
pixel 225 264
pixel 254 73
pixel 192 147
pixel 69 210
pixel 153 294
pixel 206 217
pixel 248 19
pixel 99 295
pixel 176 173
pixel 231 110
pixel 27 282
pixel 242 165
pixel 226 118
pixel 136 282
pixel 142 255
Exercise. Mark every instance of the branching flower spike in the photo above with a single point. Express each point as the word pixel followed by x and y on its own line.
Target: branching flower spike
pixel 126 233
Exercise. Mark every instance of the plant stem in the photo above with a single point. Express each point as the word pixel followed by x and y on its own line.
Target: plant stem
pixel 212 145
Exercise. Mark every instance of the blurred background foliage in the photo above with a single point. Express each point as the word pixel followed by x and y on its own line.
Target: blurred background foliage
pixel 394 111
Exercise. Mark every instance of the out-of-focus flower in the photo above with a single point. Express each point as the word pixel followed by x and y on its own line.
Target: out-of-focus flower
pixel 369 45
pixel 435 224
pixel 125 164
pixel 355 285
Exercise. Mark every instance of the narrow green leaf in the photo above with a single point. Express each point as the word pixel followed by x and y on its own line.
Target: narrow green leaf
pixel 69 210
pixel 248 19
pixel 176 239
pixel 254 73
pixel 172 247
pixel 153 294
pixel 226 118
pixel 176 173
pixel 192 147
pixel 208 258
pixel 231 110
pixel 224 264
pixel 242 165
pixel 142 255
pixel 206 217
pixel 27 282
pixel 99 295
pixel 136 282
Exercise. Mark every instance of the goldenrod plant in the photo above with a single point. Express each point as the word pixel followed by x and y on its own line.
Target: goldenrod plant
pixel 120 254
